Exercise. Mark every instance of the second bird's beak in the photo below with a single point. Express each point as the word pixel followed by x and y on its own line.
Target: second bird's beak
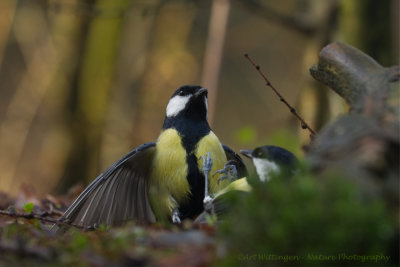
pixel 202 91
pixel 247 153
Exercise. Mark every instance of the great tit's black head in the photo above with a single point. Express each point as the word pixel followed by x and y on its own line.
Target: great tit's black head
pixel 190 101
pixel 268 159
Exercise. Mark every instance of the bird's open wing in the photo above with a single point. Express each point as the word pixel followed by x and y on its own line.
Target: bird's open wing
pixel 232 155
pixel 118 194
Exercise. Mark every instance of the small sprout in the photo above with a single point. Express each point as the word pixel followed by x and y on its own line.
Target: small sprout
pixel 28 207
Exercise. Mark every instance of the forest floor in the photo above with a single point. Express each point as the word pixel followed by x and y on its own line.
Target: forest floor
pixel 26 239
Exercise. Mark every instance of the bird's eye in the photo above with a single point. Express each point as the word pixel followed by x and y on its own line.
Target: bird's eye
pixel 181 93
pixel 259 154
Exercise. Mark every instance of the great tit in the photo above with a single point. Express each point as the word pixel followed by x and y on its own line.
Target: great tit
pixel 271 159
pixel 267 160
pixel 161 180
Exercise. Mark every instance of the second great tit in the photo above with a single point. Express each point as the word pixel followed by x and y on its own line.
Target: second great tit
pixel 161 180
pixel 267 160
pixel 271 159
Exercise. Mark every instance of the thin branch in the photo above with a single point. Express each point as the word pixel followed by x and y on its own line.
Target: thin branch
pixel 42 218
pixel 304 125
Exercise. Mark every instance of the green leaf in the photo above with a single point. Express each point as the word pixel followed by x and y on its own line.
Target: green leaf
pixel 28 207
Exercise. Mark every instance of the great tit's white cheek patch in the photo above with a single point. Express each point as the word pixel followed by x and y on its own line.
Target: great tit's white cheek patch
pixel 176 105
pixel 264 168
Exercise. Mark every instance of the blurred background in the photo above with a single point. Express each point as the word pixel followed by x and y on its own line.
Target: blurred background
pixel 82 82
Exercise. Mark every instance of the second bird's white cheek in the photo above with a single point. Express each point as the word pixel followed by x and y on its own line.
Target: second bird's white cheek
pixel 176 105
pixel 264 168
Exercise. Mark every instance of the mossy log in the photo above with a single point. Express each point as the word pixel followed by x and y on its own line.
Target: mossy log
pixel 363 145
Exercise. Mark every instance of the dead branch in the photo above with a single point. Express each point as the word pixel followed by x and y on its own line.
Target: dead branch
pixel 355 76
pixel 40 217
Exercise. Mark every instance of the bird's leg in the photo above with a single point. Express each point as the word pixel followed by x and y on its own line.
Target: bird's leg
pixel 175 211
pixel 207 164
pixel 229 170
pixel 175 216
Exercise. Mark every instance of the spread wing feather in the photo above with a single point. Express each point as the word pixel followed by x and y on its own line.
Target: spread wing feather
pixel 118 194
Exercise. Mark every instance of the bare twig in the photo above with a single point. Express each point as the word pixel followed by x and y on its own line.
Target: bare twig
pixel 30 216
pixel 304 125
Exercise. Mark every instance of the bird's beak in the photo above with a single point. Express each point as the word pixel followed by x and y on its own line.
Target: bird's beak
pixel 202 91
pixel 247 153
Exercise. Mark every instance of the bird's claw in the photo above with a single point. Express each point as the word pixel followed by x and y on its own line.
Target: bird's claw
pixel 207 163
pixel 229 170
pixel 220 171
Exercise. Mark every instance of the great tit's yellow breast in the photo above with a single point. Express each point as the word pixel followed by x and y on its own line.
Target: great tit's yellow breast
pixel 210 143
pixel 168 172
